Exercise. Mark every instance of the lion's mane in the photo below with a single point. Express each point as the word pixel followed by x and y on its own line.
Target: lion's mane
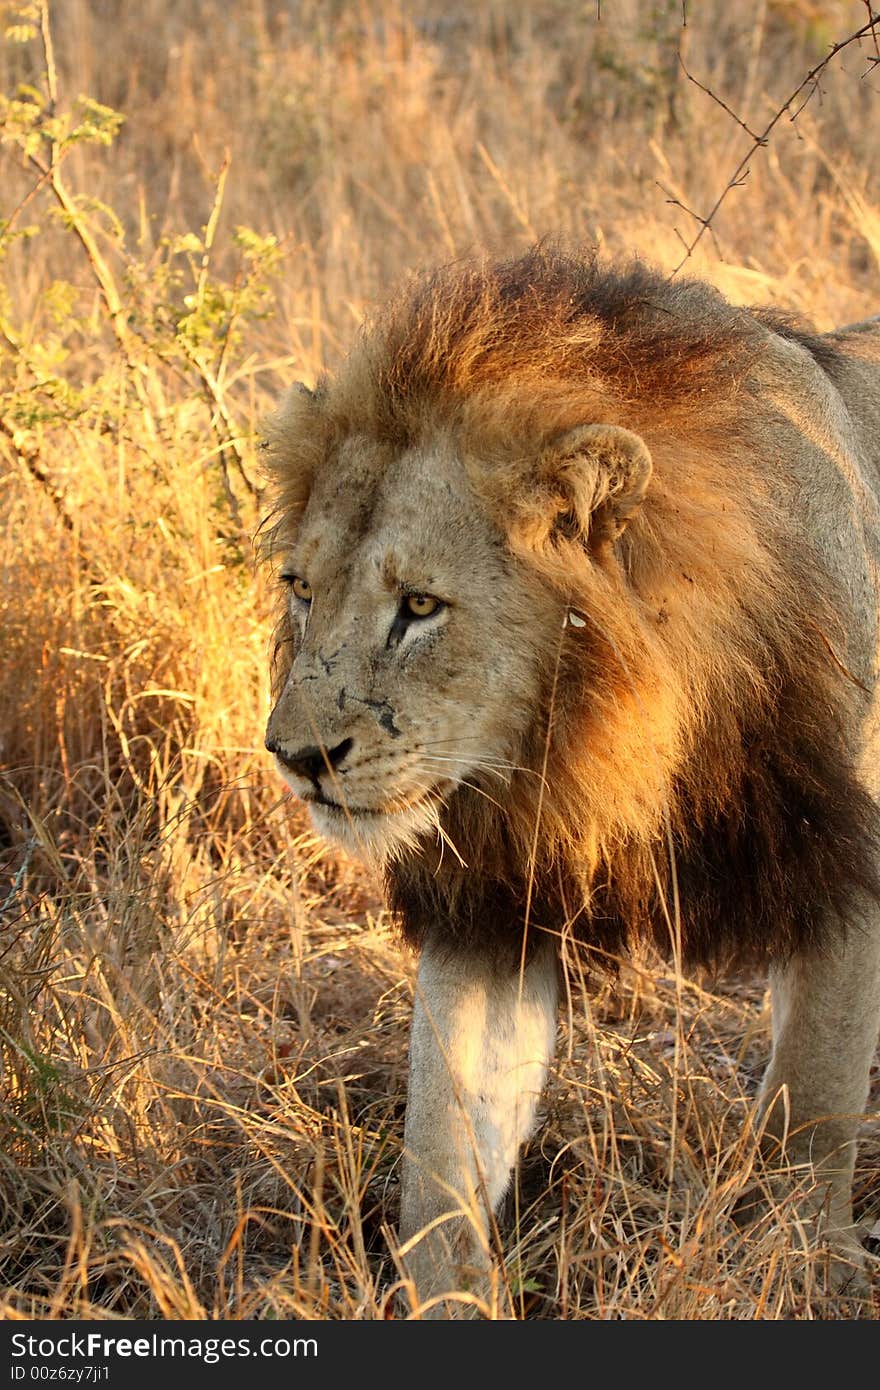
pixel 690 774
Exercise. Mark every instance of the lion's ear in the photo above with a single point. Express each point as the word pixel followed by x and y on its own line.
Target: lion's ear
pixel 600 474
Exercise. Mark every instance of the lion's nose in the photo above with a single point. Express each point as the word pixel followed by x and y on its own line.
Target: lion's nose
pixel 310 762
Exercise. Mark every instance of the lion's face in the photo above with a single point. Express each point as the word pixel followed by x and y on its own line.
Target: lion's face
pixel 417 639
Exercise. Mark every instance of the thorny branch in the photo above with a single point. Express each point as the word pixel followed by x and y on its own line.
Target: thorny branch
pixel 28 457
pixel 792 107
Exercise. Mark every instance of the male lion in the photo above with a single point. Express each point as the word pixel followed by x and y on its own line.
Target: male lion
pixel 580 643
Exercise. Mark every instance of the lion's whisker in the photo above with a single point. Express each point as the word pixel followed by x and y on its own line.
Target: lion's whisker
pixel 467 765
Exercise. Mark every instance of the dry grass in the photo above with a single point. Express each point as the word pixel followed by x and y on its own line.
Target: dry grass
pixel 203 1013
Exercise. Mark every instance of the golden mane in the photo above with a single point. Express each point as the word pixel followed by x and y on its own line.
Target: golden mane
pixel 544 323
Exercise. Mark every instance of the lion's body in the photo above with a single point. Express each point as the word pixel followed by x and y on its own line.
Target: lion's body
pixel 644 702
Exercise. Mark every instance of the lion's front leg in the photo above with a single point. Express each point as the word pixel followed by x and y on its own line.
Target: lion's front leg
pixel 482 1036
pixel 825 1021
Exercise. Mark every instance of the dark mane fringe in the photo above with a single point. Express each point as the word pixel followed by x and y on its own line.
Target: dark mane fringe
pixel 701 771
pixel 777 874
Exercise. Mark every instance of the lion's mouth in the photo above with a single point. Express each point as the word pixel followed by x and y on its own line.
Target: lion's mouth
pixel 346 810
pixel 339 808
pixel 380 832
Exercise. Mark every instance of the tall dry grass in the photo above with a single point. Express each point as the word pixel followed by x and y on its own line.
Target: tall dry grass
pixel 203 1012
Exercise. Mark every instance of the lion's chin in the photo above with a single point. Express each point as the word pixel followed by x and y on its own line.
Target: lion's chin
pixel 376 836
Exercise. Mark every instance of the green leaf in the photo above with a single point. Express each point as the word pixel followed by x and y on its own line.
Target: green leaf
pixel 20 33
pixel 97 124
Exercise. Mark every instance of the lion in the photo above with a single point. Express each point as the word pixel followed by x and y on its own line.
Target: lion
pixel 579 645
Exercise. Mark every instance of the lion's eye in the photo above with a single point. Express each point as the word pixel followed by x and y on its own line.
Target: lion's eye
pixel 420 605
pixel 301 587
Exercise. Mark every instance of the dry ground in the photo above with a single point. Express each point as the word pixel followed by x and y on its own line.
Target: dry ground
pixel 203 1013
